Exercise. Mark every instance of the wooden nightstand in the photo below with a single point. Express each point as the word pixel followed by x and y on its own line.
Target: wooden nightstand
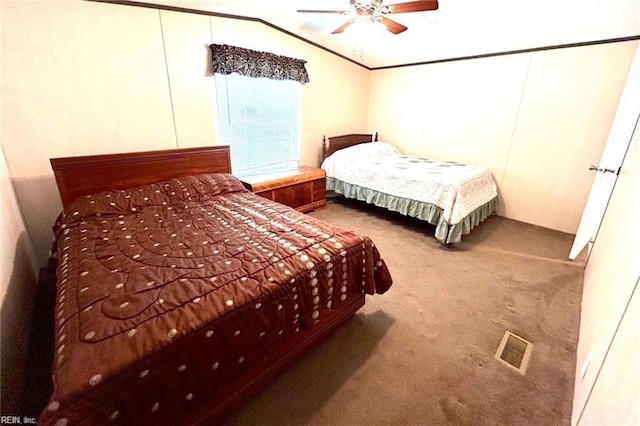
pixel 303 189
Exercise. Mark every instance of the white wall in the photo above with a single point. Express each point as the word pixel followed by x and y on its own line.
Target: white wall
pixel 614 400
pixel 84 78
pixel 537 120
pixel 18 272
pixel 77 78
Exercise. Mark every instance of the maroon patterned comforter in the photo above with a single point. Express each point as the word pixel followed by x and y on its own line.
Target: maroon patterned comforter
pixel 169 293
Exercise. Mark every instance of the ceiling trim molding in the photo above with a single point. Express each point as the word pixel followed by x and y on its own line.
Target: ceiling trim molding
pixel 514 52
pixel 228 16
pixel 346 58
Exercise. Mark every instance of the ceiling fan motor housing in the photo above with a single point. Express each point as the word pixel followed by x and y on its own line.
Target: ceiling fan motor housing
pixel 366 8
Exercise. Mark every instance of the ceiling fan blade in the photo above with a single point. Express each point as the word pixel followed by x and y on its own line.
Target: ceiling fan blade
pixel 392 26
pixel 344 26
pixel 413 6
pixel 344 12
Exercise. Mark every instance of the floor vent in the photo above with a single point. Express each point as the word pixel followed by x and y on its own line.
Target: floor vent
pixel 514 352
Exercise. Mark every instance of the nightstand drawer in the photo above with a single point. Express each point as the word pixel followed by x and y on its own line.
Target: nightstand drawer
pixel 296 195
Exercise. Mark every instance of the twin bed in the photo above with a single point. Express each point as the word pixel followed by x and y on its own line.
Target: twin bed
pixel 454 197
pixel 180 293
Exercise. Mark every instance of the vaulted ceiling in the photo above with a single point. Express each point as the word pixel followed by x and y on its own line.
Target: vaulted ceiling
pixel 458 28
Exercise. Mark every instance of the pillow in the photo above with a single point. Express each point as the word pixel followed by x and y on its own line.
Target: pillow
pixel 168 193
pixel 367 150
pixel 199 187
pixel 115 202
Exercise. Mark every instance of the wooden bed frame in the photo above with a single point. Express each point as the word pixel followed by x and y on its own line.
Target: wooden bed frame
pixel 332 144
pixel 79 176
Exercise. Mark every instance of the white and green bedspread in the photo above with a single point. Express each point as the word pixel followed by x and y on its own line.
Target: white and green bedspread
pixel 455 197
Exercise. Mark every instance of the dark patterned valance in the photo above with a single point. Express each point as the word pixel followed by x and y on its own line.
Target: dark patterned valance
pixel 252 63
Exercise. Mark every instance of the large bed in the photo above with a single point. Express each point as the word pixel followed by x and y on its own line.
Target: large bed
pixel 180 293
pixel 454 197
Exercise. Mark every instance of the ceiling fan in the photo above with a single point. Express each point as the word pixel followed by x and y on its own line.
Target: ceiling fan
pixel 375 11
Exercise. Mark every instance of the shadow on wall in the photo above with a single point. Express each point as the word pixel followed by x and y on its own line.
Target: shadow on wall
pixel 40 205
pixel 15 323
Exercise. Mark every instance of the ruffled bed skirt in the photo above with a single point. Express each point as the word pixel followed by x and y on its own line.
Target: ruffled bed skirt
pixel 445 232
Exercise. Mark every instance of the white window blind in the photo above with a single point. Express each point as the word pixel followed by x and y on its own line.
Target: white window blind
pixel 259 119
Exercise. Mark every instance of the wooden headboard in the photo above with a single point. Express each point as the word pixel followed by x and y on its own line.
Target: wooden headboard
pixel 78 176
pixel 334 143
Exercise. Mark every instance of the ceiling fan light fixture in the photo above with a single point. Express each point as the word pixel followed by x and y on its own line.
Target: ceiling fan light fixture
pixel 373 11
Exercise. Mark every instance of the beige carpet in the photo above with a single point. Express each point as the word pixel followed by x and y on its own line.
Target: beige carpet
pixel 423 353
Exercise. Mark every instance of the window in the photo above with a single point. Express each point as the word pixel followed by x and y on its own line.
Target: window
pixel 259 119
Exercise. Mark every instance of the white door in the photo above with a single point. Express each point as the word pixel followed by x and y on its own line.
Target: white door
pixel 624 124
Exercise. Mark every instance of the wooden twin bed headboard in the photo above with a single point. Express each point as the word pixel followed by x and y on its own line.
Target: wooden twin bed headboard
pixel 78 176
pixel 334 143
